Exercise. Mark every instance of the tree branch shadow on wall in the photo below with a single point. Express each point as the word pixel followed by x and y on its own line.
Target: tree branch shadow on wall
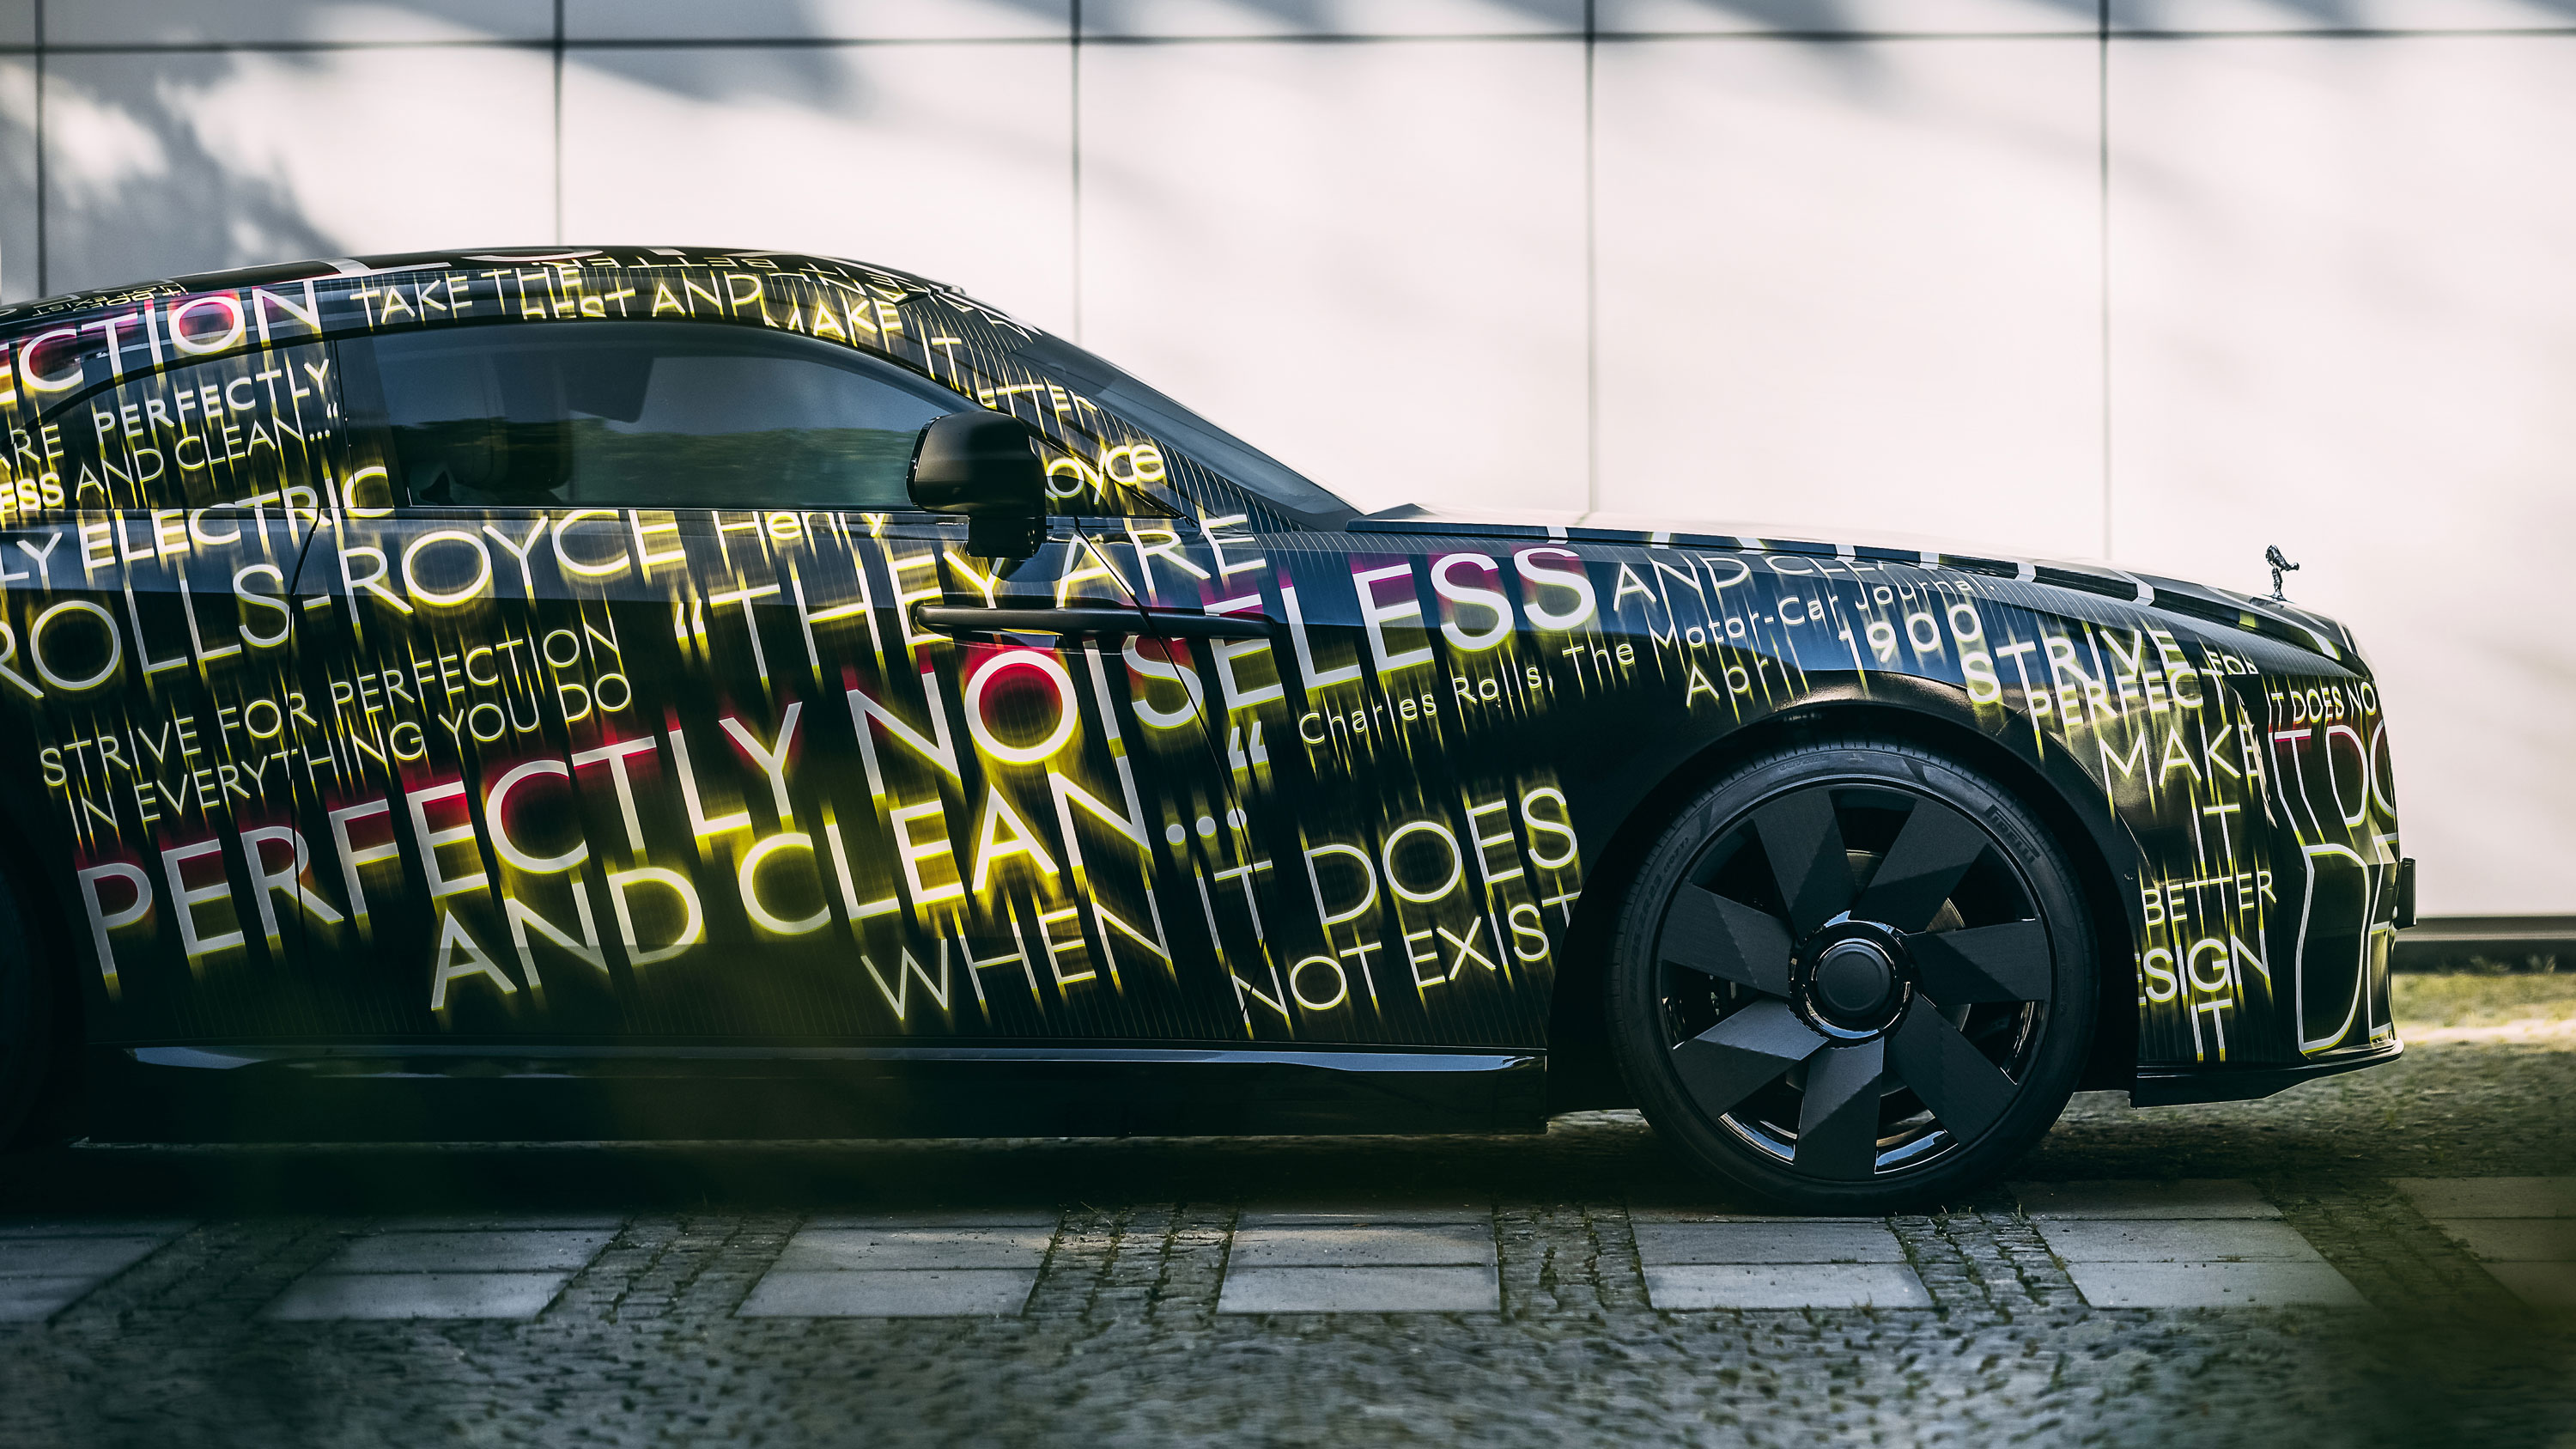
pixel 134 188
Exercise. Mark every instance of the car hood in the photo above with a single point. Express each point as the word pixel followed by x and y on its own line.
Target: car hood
pixel 2198 605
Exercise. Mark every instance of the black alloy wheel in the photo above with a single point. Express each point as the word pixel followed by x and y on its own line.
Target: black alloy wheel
pixel 1853 976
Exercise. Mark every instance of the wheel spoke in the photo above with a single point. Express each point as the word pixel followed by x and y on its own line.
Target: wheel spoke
pixel 1963 1089
pixel 2009 962
pixel 1838 1121
pixel 1709 933
pixel 1731 1060
pixel 1935 848
pixel 1805 844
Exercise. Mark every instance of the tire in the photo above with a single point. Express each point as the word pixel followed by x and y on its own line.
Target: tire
pixel 1852 977
pixel 26 1031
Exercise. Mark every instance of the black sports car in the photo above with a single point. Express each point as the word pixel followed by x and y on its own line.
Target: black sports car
pixel 647 692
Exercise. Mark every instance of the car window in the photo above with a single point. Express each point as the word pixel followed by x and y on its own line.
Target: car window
pixel 639 414
pixel 247 428
pixel 1172 423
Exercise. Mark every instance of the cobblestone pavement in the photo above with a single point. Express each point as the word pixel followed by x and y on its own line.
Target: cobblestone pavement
pixel 1573 1288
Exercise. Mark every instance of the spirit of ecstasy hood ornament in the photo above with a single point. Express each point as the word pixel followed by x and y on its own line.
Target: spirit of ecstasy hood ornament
pixel 2280 565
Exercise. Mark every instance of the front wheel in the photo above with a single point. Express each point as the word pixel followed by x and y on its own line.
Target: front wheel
pixel 1851 977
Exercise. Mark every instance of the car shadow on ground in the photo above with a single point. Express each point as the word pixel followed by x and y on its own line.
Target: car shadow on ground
pixel 2481 1110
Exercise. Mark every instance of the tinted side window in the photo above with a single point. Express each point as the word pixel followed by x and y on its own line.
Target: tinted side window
pixel 247 428
pixel 639 414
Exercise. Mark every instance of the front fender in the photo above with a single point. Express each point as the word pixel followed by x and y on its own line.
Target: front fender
pixel 2232 783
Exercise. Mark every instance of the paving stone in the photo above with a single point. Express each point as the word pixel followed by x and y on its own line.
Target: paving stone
pixel 1361 1290
pixel 678 1251
pixel 417 1295
pixel 1617 1275
pixel 46 1266
pixel 2515 1240
pixel 93 1258
pixel 32 1300
pixel 1940 1262
pixel 173 1350
pixel 891 1293
pixel 2541 1285
pixel 1076 1269
pixel 163 1229
pixel 1643 1213
pixel 1769 1241
pixel 560 1250
pixel 1359 1247
pixel 1556 1259
pixel 2386 1250
pixel 1322 1212
pixel 2202 1263
pixel 1785 1285
pixel 815 1250
pixel 917 1265
pixel 213 1278
pixel 1190 1266
pixel 485 1222
pixel 2169 1241
pixel 2490 1197
pixel 602 1286
pixel 941 1218
pixel 2144 1200
pixel 725 1256
pixel 2274 1284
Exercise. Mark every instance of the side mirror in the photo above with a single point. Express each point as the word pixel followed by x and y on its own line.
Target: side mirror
pixel 981 464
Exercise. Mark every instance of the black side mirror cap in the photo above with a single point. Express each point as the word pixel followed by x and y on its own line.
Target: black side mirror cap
pixel 982 464
pixel 977 461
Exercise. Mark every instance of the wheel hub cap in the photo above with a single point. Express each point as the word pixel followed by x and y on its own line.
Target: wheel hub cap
pixel 1854 980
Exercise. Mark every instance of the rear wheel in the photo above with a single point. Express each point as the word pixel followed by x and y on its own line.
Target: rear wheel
pixel 26 1029
pixel 1853 976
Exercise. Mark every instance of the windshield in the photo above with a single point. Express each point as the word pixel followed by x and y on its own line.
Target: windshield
pixel 1206 444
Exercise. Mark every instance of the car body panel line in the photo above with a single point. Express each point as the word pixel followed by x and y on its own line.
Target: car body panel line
pixel 218 1093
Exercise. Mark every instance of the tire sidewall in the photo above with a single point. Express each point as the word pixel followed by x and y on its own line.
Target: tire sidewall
pixel 1635 1009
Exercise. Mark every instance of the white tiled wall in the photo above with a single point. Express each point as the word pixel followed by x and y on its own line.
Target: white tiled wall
pixel 1854 285
pixel 1379 249
pixel 1845 263
pixel 1847 17
pixel 18 175
pixel 1330 17
pixel 955 161
pixel 157 163
pixel 254 22
pixel 1043 20
pixel 2312 15
pixel 2341 322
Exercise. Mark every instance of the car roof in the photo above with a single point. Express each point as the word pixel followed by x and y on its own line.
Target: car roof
pixel 479 259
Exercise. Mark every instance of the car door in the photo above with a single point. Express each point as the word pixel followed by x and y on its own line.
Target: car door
pixel 642 731
pixel 1406 853
pixel 171 462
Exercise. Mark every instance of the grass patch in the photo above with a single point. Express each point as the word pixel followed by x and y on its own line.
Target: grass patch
pixel 2440 960
pixel 2426 999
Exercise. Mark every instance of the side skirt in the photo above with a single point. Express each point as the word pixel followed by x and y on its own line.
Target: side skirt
pixel 496 1093
pixel 2174 1086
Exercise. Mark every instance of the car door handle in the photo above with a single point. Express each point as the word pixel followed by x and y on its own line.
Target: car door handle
pixel 1099 623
